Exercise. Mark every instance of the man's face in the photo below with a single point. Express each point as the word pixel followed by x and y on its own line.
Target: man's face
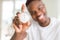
pixel 37 11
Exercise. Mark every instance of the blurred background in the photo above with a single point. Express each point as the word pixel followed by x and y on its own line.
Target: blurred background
pixel 8 9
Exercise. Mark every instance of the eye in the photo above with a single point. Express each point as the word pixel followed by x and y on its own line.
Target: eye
pixel 39 8
pixel 44 13
pixel 33 12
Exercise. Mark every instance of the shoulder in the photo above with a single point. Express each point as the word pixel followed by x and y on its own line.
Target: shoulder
pixel 55 19
pixel 57 22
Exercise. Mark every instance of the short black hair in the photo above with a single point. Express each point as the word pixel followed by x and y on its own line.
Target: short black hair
pixel 29 1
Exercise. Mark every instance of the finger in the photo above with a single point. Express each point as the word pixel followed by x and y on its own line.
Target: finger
pixel 29 23
pixel 18 30
pixel 15 27
pixel 20 27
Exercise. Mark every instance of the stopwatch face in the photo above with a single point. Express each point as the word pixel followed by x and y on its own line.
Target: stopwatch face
pixel 24 17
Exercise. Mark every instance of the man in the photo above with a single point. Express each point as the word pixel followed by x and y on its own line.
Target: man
pixel 42 27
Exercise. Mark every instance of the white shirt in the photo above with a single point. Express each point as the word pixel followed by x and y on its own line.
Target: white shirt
pixel 51 32
pixel 36 32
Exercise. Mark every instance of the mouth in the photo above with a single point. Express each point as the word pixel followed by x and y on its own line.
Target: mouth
pixel 38 17
pixel 41 18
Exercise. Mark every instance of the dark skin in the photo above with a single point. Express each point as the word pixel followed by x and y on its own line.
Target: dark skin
pixel 19 33
pixel 16 20
pixel 23 7
pixel 38 13
pixel 20 28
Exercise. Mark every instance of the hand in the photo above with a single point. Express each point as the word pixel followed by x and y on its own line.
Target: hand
pixel 20 33
pixel 26 26
pixel 22 27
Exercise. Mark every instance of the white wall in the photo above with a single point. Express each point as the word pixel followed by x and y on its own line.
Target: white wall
pixel 51 6
pixel 58 9
pixel 0 18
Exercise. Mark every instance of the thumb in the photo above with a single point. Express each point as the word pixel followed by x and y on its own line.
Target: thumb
pixel 20 26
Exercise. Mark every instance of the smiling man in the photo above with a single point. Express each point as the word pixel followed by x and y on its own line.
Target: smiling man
pixel 42 26
pixel 38 12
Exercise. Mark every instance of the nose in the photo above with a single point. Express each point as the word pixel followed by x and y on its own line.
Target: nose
pixel 38 14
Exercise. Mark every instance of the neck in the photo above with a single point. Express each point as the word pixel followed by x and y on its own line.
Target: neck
pixel 46 23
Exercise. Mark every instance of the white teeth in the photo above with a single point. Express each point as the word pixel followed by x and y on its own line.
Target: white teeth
pixel 40 17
